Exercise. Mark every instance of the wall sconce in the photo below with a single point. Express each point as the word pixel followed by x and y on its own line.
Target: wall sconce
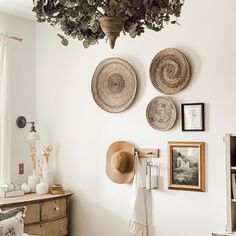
pixel 32 135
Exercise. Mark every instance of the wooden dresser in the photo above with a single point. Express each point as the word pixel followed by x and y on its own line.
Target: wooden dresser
pixel 46 215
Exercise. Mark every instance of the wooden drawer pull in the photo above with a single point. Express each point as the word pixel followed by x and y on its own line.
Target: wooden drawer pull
pixel 57 208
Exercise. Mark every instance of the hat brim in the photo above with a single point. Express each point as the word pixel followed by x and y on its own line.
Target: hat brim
pixel 113 174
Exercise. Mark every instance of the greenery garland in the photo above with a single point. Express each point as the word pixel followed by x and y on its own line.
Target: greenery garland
pixel 80 18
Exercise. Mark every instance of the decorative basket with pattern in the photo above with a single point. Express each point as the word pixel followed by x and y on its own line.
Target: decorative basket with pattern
pixel 114 85
pixel 170 71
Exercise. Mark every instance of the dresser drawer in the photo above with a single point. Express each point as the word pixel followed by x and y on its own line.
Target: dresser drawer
pixel 53 228
pixel 32 213
pixel 53 209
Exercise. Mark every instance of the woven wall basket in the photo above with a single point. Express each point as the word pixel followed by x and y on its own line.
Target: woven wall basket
pixel 114 85
pixel 161 113
pixel 170 71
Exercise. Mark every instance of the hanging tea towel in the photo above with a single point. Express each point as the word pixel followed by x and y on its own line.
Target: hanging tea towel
pixel 138 220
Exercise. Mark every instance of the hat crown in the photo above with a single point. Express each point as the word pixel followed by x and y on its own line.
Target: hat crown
pixel 121 161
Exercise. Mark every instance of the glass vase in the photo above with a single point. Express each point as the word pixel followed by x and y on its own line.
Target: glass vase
pixel 33 180
pixel 47 175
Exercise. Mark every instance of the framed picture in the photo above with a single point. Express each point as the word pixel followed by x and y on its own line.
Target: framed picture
pixel 192 117
pixel 186 166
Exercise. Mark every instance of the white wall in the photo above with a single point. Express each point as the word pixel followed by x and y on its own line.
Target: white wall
pixel 81 132
pixel 20 62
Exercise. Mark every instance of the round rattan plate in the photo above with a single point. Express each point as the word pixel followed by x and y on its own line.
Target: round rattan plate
pixel 170 71
pixel 114 85
pixel 161 113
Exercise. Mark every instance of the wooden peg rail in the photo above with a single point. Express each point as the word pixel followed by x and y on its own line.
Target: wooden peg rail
pixel 148 153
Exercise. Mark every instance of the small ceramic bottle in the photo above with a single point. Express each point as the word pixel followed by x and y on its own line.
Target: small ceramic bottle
pixel 32 181
pixel 41 188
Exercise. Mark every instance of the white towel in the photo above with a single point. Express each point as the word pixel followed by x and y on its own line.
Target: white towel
pixel 138 220
pixel 142 176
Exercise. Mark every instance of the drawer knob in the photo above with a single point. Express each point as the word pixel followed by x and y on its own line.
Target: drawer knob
pixel 57 208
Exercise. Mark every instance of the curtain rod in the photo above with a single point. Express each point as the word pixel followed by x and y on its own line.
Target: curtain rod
pixel 12 37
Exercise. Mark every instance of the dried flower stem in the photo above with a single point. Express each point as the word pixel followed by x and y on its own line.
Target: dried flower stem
pixel 46 153
pixel 33 154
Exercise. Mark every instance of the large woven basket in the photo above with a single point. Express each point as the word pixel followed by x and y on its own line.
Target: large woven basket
pixel 170 71
pixel 114 85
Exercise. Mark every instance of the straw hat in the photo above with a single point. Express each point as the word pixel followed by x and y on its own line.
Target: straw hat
pixel 120 162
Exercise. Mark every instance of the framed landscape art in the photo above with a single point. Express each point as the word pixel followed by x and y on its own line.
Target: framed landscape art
pixel 186 165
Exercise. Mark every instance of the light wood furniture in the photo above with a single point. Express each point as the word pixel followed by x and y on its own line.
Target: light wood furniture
pixel 230 142
pixel 230 148
pixel 47 215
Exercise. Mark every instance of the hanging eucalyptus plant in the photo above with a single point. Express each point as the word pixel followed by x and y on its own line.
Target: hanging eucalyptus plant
pixel 81 18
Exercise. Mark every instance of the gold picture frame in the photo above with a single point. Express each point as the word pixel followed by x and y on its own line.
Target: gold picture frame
pixel 186 166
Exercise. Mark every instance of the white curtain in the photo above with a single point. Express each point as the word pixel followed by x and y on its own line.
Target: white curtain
pixel 5 155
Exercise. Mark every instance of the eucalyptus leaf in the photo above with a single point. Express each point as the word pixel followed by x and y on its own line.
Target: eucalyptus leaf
pixel 130 11
pixel 132 34
pixel 64 42
pixel 80 36
pixel 86 43
pixel 61 36
pixel 95 27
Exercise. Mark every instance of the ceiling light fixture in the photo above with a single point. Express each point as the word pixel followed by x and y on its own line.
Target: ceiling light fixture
pixel 92 20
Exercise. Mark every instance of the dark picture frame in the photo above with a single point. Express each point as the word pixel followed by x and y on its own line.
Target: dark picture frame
pixel 186 166
pixel 193 116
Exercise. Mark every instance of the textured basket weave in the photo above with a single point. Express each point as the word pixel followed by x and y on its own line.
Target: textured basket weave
pixel 161 113
pixel 170 71
pixel 114 85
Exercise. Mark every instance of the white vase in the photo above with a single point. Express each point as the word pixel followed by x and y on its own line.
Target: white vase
pixel 48 178
pixel 41 188
pixel 32 181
